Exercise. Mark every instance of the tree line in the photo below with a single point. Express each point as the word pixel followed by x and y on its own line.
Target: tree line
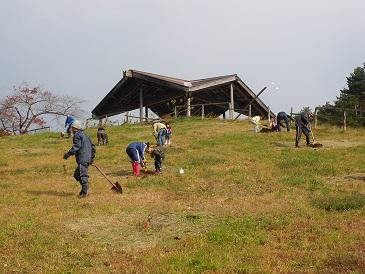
pixel 351 100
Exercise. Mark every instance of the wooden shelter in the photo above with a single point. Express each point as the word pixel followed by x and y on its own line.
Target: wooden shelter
pixel 166 95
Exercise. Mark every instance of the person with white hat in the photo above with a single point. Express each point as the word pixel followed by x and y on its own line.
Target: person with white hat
pixel 84 151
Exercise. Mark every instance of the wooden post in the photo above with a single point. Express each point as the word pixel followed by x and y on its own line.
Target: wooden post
pixel 175 112
pixel 203 112
pixel 315 118
pixel 344 120
pixel 188 109
pixel 249 111
pixel 126 117
pixel 231 105
pixel 268 115
pixel 291 111
pixel 230 115
pixel 140 104
pixel 224 115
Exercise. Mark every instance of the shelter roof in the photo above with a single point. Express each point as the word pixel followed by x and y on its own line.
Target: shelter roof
pixel 162 93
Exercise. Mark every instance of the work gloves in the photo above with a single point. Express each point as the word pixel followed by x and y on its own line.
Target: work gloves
pixel 66 155
pixel 143 164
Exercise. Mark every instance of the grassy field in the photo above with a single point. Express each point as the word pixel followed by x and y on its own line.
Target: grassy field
pixel 247 203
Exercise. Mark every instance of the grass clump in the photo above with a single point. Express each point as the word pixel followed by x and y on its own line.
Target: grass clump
pixel 339 201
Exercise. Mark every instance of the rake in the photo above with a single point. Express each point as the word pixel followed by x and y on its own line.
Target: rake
pixel 115 186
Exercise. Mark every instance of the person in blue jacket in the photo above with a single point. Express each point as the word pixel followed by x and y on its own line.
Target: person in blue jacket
pixel 84 151
pixel 69 120
pixel 282 116
pixel 136 152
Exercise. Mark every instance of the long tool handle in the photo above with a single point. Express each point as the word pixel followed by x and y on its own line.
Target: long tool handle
pixel 313 136
pixel 102 173
pixel 253 100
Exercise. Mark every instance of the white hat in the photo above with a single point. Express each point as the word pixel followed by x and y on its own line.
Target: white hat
pixel 76 124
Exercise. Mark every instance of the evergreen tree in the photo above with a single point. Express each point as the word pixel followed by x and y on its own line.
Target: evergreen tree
pixel 352 97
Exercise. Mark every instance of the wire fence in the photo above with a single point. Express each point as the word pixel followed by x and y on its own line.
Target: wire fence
pixel 341 117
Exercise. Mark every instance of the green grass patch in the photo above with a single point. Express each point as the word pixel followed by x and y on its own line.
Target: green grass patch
pixel 339 201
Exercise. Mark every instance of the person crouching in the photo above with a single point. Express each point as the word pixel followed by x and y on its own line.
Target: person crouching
pixel 136 152
pixel 84 151
pixel 158 153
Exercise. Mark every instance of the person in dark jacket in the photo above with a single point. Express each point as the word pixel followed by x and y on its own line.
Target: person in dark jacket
pixel 158 153
pixel 282 116
pixel 84 151
pixel 302 125
pixel 102 136
pixel 136 151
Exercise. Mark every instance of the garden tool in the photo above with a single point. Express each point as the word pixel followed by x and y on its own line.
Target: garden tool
pixel 115 186
pixel 314 144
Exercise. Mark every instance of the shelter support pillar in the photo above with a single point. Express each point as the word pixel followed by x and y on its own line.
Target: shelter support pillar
pixel 231 106
pixel 188 107
pixel 140 104
pixel 268 115
pixel 249 111
pixel 146 113
pixel 203 112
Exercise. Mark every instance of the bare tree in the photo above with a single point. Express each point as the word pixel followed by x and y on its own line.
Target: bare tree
pixel 27 106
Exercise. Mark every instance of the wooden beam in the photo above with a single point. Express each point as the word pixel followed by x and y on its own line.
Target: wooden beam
pixel 160 82
pixel 208 84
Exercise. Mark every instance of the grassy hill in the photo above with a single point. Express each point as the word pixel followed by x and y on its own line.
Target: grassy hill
pixel 247 203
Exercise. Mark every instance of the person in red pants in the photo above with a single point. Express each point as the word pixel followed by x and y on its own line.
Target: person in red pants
pixel 136 151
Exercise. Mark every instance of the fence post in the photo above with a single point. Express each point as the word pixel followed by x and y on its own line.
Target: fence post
pixel 315 118
pixel 126 117
pixel 268 115
pixel 291 112
pixel 344 120
pixel 203 112
pixel 175 112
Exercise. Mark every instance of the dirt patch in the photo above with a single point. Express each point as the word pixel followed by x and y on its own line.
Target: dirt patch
pixel 326 144
pixel 350 182
pixel 135 231
pixel 338 144
pixel 351 178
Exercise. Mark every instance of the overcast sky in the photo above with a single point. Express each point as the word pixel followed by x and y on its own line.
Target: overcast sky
pixel 81 47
